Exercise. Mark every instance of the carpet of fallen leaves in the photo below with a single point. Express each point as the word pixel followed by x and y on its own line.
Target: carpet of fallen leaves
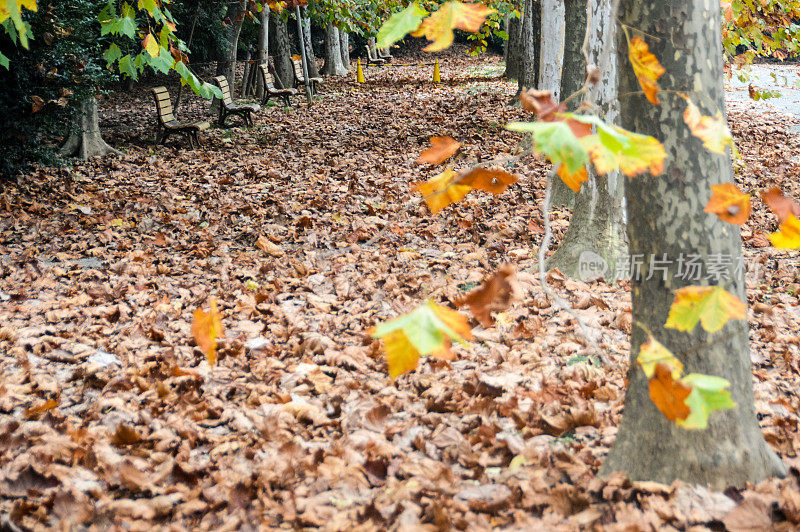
pixel 111 417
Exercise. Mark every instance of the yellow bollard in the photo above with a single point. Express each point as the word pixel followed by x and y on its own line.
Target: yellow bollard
pixel 359 73
pixel 436 78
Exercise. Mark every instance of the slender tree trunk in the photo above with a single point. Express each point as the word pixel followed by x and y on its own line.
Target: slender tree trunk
pixel 333 53
pixel 280 50
pixel 551 55
pixel 86 141
pixel 313 69
pixel 513 50
pixel 344 46
pixel 666 221
pixel 597 228
pixel 226 65
pixel 262 55
pixel 572 75
pixel 528 72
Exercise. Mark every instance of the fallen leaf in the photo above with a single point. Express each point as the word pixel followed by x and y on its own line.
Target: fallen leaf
pixel 494 295
pixel 206 328
pixel 442 148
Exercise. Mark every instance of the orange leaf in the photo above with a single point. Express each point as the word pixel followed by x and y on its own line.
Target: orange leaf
pixel 37 104
pixel 492 180
pixel 788 235
pixel 781 205
pixel 646 67
pixel 440 192
pixel 729 203
pixel 451 16
pixel 36 411
pixel 494 295
pixel 669 395
pixel 442 148
pixel 206 328
pixel 575 180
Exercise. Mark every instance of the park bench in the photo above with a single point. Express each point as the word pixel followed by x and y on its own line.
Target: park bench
pixel 167 121
pixel 299 79
pixel 229 107
pixel 372 56
pixel 271 90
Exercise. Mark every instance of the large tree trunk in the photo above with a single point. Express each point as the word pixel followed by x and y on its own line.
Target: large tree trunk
pixel 597 228
pixel 666 220
pixel 528 68
pixel 280 50
pixel 333 53
pixel 551 55
pixel 344 46
pixel 226 65
pixel 313 70
pixel 86 141
pixel 513 50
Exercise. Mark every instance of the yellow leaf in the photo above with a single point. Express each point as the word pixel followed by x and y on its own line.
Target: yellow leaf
pixel 573 181
pixel 453 15
pixel 646 67
pixel 653 353
pixel 788 234
pixel 442 148
pixel 456 321
pixel 151 45
pixel 710 305
pixel 636 155
pixel 401 355
pixel 729 203
pixel 206 328
pixel 440 192
pixel 4 13
pixel 713 132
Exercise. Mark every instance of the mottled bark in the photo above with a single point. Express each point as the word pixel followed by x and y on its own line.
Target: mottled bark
pixel 313 69
pixel 262 55
pixel 597 228
pixel 333 54
pixel 86 141
pixel 666 220
pixel 551 55
pixel 280 50
pixel 344 46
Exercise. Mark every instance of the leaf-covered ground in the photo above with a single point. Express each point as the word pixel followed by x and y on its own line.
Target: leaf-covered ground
pixel 110 416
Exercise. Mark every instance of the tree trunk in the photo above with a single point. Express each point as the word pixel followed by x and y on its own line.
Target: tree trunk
pixel 313 70
pixel 262 55
pixel 226 65
pixel 666 220
pixel 344 46
pixel 280 50
pixel 597 228
pixel 333 53
pixel 551 55
pixel 86 141
pixel 513 49
pixel 527 75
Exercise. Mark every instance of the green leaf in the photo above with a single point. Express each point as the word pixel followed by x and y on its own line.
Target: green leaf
pixel 148 5
pixel 112 55
pixel 4 62
pixel 162 62
pixel 400 24
pixel 557 141
pixel 126 67
pixel 708 395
